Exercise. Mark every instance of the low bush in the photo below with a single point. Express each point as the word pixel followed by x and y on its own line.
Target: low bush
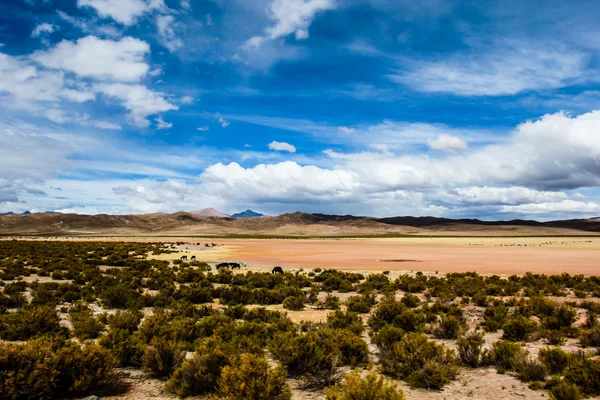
pixel 385 338
pixel 449 327
pixel 591 337
pixel 519 328
pixel 504 354
pixel 200 374
pixel 128 349
pixel 345 320
pixel 529 369
pixel 331 302
pixel 370 387
pixel 128 320
pixel 29 322
pixel 470 349
pixel 554 359
pixel 565 391
pixel 360 304
pixel 49 368
pixel 250 378
pixel 420 362
pixel 294 303
pixel 85 325
pixel 162 357
pixel 585 373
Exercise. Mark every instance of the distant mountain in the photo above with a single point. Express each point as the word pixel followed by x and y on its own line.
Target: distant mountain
pixel 26 213
pixel 211 222
pixel 7 213
pixel 247 214
pixel 209 212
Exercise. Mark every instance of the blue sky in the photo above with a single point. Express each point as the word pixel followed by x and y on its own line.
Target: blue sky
pixel 444 108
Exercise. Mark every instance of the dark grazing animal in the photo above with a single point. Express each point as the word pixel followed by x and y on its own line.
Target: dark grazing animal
pixel 277 270
pixel 231 265
pixel 184 257
pixel 193 258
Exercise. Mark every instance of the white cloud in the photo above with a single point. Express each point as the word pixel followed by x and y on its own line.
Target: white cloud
pixel 168 37
pixel 290 16
pixel 43 28
pixel 507 70
pixel 121 60
pixel 346 130
pixel 23 85
pixel 282 146
pixel 447 143
pixel 506 195
pixel 294 16
pixel 222 121
pixel 556 209
pixel 139 100
pixel 186 100
pixel 122 11
pixel 162 124
pixel 202 128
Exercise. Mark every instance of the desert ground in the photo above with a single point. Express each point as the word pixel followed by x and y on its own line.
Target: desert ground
pixel 502 256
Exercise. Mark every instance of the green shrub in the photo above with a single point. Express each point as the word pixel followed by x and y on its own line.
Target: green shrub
pixel 554 359
pixel 47 368
pixel 504 354
pixel 128 320
pixel 591 337
pixel 410 300
pixel 85 325
pixel 385 338
pixel 200 374
pixel 421 362
pixel 331 302
pixel 495 317
pixel 345 320
pixel 29 322
pixel 565 391
pixel 294 303
pixel 370 387
pixel 360 304
pixel 128 349
pixel 390 311
pixel 470 349
pixel 162 357
pixel 519 328
pixel 585 373
pixel 250 378
pixel 529 369
pixel 449 327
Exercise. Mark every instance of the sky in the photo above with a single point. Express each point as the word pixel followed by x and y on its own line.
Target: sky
pixel 458 109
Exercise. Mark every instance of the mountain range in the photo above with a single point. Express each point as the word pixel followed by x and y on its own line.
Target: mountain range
pixel 213 223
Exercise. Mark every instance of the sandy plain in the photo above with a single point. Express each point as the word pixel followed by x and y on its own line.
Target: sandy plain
pixel 503 256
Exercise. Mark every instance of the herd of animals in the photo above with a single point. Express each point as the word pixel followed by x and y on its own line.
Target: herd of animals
pixel 233 265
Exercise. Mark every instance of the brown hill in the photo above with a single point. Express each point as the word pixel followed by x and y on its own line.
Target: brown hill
pixel 294 225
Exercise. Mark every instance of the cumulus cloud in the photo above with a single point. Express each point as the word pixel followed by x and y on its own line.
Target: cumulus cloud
pixel 138 99
pixel 166 29
pixel 202 128
pixel 122 11
pixel 555 209
pixel 447 143
pixel 162 124
pixel 507 70
pixel 291 16
pixel 222 121
pixel 24 85
pixel 121 60
pixel 282 146
pixel 346 130
pixel 43 28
